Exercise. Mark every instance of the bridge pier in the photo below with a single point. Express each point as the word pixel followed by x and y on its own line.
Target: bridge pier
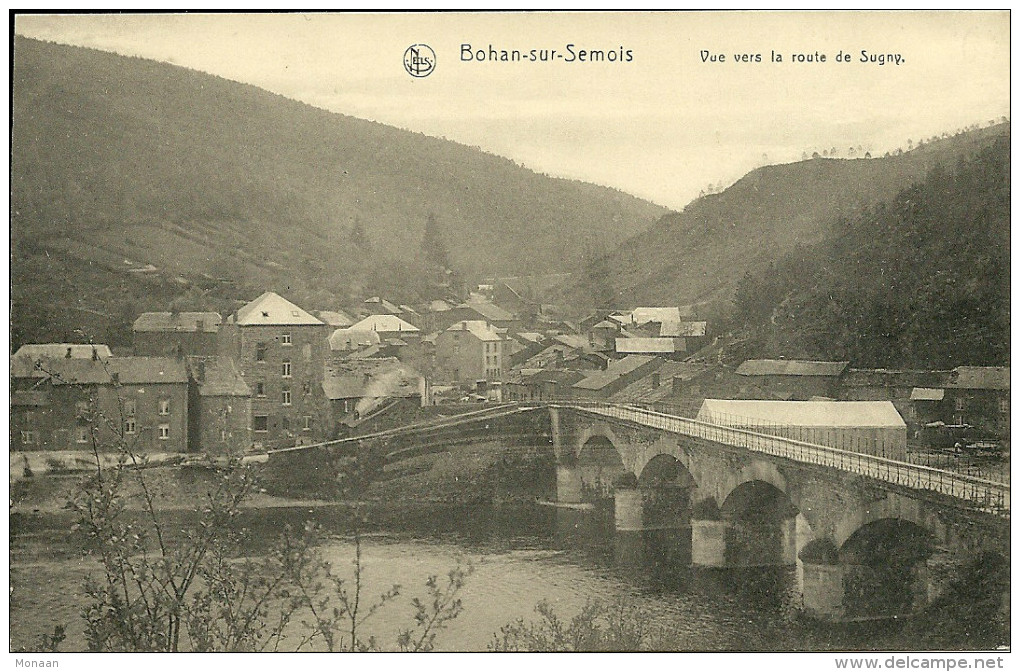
pixel 568 484
pixel 708 543
pixel 646 537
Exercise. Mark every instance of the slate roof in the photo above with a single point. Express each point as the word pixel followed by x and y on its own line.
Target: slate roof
pixel 54 350
pixel 732 412
pixel 572 341
pixel 615 371
pixel 790 367
pixel 478 328
pixel 644 345
pixel 336 318
pixel 641 390
pixel 130 370
pixel 178 322
pixel 383 304
pixel 980 378
pixel 148 370
pixel 683 329
pixel 218 377
pixel 271 309
pixel 352 339
pixel 384 323
pixel 490 311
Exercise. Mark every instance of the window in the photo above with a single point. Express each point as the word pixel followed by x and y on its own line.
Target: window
pixel 260 352
pixel 81 408
pixel 82 435
pixel 307 424
pixel 1004 406
pixel 130 408
pixel 285 340
pixel 961 403
pixel 260 388
pixel 29 417
pixel 286 397
pixel 223 435
pixel 129 426
pixel 29 437
pixel 285 424
pixel 164 407
pixel 286 368
pixel 306 387
pixel 261 423
pixel 164 432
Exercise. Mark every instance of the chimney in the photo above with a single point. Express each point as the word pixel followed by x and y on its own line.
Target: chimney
pixel 678 384
pixel 200 370
pixel 68 355
pixel 95 354
pixel 655 380
pixel 115 375
pixel 200 325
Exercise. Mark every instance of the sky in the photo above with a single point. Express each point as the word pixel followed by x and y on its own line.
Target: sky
pixel 663 124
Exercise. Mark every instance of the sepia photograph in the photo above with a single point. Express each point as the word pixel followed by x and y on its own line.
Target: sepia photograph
pixel 516 331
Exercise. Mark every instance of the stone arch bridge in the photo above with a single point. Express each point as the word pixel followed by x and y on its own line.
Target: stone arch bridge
pixel 861 530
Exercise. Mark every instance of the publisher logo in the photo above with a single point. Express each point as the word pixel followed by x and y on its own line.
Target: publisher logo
pixel 419 60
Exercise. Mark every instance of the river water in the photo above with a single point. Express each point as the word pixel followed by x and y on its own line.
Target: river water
pixel 520 557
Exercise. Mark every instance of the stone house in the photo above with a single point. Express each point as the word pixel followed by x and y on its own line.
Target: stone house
pixel 176 334
pixel 280 350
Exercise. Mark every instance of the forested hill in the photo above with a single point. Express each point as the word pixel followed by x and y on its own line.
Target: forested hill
pixel 699 255
pixel 922 281
pixel 124 167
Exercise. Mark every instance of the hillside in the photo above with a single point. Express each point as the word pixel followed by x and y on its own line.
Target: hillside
pixel 699 255
pixel 151 178
pixel 922 281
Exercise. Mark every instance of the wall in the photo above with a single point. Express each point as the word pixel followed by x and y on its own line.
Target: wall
pixel 285 424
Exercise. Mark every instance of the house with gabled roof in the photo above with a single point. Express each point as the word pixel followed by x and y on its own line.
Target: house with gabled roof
pixel 793 379
pixel 219 402
pixel 107 403
pixel 469 351
pixel 280 349
pixel 171 334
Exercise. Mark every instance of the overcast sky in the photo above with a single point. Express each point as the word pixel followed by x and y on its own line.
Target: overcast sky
pixel 662 125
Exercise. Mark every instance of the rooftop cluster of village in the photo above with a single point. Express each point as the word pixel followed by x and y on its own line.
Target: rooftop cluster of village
pixel 273 375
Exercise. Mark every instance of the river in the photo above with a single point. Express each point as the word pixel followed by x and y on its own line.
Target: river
pixel 520 557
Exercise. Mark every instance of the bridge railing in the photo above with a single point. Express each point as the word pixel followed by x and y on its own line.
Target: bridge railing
pixel 975 493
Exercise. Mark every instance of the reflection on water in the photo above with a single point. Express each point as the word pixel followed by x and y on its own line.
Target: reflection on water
pixel 521 555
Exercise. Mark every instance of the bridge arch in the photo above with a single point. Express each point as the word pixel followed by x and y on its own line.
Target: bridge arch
pixel 599 463
pixel 761 527
pixel 893 506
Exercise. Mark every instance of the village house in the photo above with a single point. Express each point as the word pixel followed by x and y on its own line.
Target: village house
pixel 67 403
pixel 892 385
pixel 468 352
pixel 37 351
pixel 280 350
pixel 979 396
pixel 690 336
pixel 791 379
pixel 541 384
pixel 379 306
pixel 475 311
pixel 337 319
pixel 619 374
pixel 390 327
pixel 345 342
pixel 668 348
pixel 219 405
pixel 361 389
pixel 176 334
pixel 674 385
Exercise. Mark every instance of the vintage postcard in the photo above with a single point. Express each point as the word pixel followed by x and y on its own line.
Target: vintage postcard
pixel 512 332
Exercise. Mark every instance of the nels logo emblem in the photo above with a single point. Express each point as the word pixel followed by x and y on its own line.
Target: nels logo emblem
pixel 419 60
